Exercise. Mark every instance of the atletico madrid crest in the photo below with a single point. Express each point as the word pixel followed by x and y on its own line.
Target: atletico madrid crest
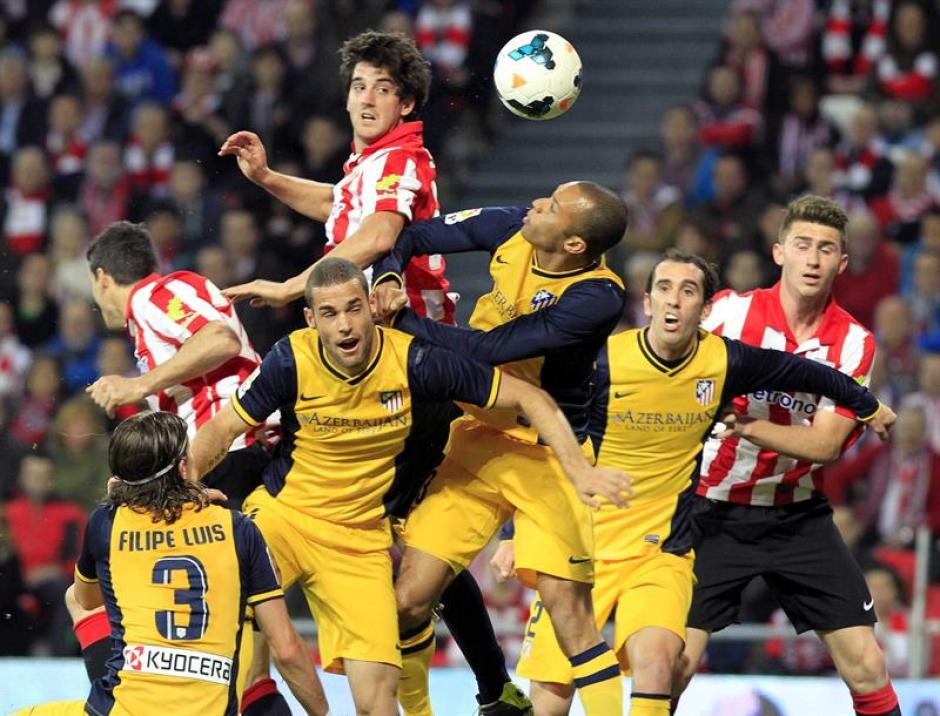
pixel 705 391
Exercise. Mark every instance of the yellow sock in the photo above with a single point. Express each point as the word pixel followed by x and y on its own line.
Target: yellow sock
pixel 597 678
pixel 417 648
pixel 650 704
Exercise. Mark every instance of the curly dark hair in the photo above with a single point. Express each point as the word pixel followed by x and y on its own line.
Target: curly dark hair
pixel 394 52
pixel 142 446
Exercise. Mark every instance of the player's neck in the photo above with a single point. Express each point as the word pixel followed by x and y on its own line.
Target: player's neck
pixel 803 313
pixel 559 262
pixel 667 353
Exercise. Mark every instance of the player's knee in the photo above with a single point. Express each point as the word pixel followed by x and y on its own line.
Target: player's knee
pixel 866 671
pixel 381 699
pixel 685 670
pixel 654 673
pixel 414 605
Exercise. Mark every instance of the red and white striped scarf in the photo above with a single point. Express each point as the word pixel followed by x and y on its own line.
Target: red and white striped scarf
pixel 837 38
pixel 25 223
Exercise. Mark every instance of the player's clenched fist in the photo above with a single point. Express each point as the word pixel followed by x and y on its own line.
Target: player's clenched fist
pixel 388 299
pixel 248 150
pixel 882 421
pixel 606 482
pixel 112 391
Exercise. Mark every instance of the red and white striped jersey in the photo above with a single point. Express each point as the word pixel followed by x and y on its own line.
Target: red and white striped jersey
pixel 163 312
pixel 737 470
pixel 396 174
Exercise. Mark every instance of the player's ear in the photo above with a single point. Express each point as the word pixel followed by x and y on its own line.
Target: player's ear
pixel 407 107
pixel 706 310
pixel 575 245
pixel 647 307
pixel 843 262
pixel 778 253
pixel 310 317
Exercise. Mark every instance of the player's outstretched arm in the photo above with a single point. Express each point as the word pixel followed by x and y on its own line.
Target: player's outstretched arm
pixel 311 198
pixel 591 483
pixel 291 656
pixel 375 237
pixel 207 349
pixel 213 440
pixel 821 442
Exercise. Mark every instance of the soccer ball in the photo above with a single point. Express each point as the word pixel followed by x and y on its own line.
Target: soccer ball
pixel 538 75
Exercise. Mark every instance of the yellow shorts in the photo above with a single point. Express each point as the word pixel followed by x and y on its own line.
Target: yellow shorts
pixel 488 477
pixel 54 708
pixel 652 591
pixel 348 586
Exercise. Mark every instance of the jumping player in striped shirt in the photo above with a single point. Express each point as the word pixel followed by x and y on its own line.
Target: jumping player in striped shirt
pixel 760 509
pixel 388 182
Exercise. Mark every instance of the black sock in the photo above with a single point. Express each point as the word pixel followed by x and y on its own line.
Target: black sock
pixel 469 623
pixel 95 656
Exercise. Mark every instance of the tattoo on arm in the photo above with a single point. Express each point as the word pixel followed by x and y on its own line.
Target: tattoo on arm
pixel 215 460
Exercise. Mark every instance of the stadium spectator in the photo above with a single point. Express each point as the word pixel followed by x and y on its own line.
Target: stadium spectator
pixel 215 264
pixel 255 23
pixel 724 122
pixel 165 224
pixel 68 242
pixel 106 112
pixel 84 26
pixel 872 271
pixel 21 115
pixel 924 297
pixel 894 330
pixel 681 151
pixel 106 192
pixel 743 271
pixel 787 28
pixel 853 41
pixel 861 166
pixel 908 200
pixel 928 397
pixel 26 203
pixel 14 358
pixel 908 69
pixel 75 346
pixel 140 65
pixel 801 131
pixel 655 207
pixel 65 146
pixel 734 211
pixel 929 240
pixel 199 205
pixel 50 73
pixel 46 534
pixel 36 313
pixel 746 54
pixel 78 446
pixel 180 25
pixel 312 60
pixel 198 108
pixel 820 178
pixel 149 155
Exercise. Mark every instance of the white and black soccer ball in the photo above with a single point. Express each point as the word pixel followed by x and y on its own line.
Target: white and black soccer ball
pixel 538 75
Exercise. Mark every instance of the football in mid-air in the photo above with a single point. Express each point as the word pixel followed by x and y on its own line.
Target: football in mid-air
pixel 538 75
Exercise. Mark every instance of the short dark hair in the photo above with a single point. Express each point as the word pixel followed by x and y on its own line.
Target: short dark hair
pixel 140 448
pixel 710 280
pixel 604 223
pixel 122 15
pixel 650 155
pixel 815 209
pixel 125 251
pixel 394 52
pixel 331 271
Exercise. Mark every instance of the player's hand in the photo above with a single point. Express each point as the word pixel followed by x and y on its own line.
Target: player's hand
pixel 248 150
pixel 390 298
pixel 112 391
pixel 882 421
pixel 603 482
pixel 735 426
pixel 259 293
pixel 503 561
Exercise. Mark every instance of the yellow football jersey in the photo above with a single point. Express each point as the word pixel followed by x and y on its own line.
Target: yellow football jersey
pixel 348 439
pixel 650 419
pixel 542 326
pixel 175 596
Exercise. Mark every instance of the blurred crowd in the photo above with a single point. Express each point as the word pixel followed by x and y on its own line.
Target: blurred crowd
pixel 841 99
pixel 115 109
